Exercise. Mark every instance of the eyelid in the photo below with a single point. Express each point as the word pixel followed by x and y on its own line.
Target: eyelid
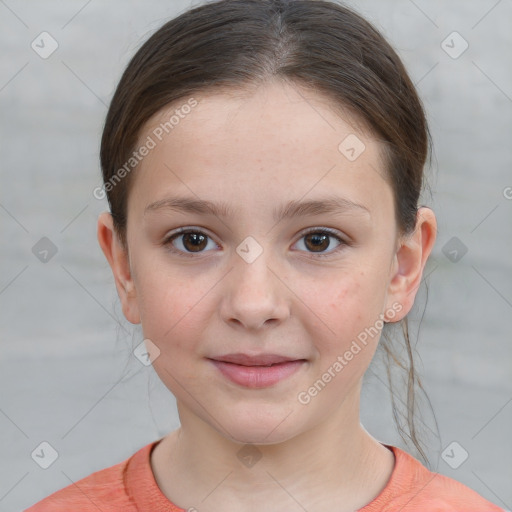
pixel 334 232
pixel 184 230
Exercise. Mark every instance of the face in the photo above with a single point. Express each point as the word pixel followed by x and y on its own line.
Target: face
pixel 261 274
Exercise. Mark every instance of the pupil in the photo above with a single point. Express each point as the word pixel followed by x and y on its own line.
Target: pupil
pixel 197 240
pixel 319 241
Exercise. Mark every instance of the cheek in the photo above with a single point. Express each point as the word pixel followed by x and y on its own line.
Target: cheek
pixel 173 309
pixel 354 306
pixel 353 300
pixel 174 315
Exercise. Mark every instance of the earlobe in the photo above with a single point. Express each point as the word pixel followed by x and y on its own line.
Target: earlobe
pixel 409 262
pixel 117 257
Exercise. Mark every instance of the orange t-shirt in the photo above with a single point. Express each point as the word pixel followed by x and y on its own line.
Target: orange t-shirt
pixel 130 486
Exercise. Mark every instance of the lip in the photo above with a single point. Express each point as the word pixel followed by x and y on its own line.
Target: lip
pixel 255 360
pixel 259 371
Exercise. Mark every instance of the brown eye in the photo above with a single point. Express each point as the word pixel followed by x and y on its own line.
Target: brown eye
pixel 187 242
pixel 194 242
pixel 318 241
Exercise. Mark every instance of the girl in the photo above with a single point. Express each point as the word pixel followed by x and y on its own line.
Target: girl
pixel 263 162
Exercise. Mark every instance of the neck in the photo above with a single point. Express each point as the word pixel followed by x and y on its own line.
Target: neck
pixel 336 459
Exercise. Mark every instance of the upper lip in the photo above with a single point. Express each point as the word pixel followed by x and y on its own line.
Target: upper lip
pixel 256 360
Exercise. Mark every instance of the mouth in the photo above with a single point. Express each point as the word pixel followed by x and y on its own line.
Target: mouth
pixel 259 371
pixel 256 360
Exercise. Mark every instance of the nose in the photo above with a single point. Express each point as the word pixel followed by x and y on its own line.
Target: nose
pixel 254 294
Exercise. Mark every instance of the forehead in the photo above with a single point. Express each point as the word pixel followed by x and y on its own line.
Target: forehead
pixel 267 144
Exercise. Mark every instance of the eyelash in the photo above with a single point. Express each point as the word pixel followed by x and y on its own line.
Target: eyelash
pixel 184 231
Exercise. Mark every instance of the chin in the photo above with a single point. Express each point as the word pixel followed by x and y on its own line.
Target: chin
pixel 261 428
pixel 261 438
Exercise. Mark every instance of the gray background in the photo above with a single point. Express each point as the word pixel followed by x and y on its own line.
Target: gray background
pixel 67 374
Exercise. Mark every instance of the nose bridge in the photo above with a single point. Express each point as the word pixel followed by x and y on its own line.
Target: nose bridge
pixel 252 267
pixel 254 294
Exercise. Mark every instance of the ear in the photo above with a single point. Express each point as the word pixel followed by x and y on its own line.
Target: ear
pixel 409 262
pixel 117 256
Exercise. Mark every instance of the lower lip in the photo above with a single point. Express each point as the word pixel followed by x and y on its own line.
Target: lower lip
pixel 258 376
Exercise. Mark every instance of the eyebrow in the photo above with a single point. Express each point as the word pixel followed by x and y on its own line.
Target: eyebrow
pixel 291 209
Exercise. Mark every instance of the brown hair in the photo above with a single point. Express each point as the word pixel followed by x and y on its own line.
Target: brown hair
pixel 316 44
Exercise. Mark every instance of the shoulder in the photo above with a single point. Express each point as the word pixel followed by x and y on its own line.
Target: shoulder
pixel 414 488
pixel 103 490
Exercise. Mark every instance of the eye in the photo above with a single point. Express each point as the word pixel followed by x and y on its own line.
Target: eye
pixel 186 242
pixel 317 239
